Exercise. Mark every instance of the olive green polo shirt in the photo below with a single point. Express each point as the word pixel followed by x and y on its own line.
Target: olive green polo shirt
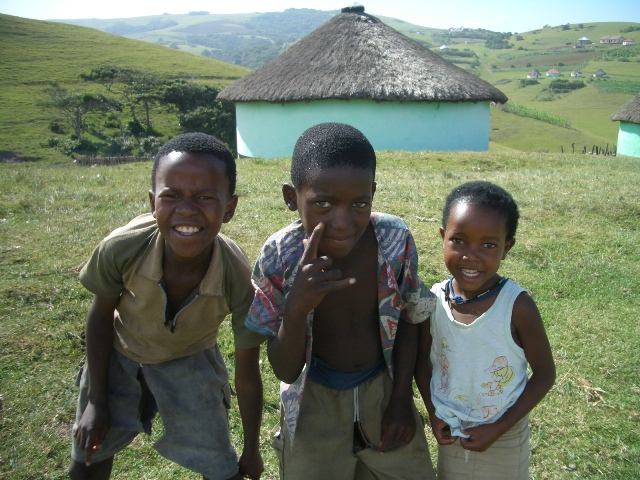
pixel 128 264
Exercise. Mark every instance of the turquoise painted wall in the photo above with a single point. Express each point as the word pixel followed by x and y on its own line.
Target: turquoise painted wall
pixel 629 139
pixel 267 130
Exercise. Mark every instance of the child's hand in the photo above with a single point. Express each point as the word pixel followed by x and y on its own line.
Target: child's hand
pixel 398 426
pixel 441 431
pixel 92 429
pixel 251 465
pixel 314 278
pixel 480 437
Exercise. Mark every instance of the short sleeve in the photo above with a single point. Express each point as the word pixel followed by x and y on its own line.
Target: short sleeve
pixel 239 294
pixel 267 308
pixel 418 301
pixel 103 273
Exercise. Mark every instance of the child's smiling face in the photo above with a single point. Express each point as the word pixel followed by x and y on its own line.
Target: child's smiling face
pixel 191 201
pixel 474 243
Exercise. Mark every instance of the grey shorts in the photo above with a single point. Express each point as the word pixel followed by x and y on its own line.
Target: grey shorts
pixel 192 396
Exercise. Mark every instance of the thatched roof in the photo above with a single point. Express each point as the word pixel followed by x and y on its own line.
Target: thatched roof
pixel 629 112
pixel 355 55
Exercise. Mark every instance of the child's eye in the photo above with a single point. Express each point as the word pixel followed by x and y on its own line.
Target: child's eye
pixel 323 204
pixel 361 204
pixel 457 241
pixel 489 245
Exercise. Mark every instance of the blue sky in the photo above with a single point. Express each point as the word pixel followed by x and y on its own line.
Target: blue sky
pixel 496 15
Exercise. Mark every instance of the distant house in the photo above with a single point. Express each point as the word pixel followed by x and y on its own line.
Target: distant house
pixel 576 73
pixel 600 74
pixel 444 47
pixel 456 29
pixel 612 39
pixel 629 132
pixel 628 41
pixel 553 73
pixel 584 41
pixel 534 74
pixel 354 69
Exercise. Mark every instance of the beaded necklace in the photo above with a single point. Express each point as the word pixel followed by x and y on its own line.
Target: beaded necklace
pixel 449 295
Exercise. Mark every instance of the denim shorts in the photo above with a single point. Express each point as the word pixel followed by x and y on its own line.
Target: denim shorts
pixel 192 396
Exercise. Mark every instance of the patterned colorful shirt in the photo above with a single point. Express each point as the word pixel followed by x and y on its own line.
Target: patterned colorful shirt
pixel 401 293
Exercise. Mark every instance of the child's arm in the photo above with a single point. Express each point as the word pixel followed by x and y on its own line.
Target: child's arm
pixel 530 330
pixel 248 385
pixel 398 424
pixel 95 421
pixel 423 374
pixel 313 281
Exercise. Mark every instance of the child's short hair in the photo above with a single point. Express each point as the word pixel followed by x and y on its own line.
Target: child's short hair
pixel 199 143
pixel 484 194
pixel 330 145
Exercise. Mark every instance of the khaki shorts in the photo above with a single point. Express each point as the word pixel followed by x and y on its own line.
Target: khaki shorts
pixel 191 395
pixel 325 446
pixel 507 458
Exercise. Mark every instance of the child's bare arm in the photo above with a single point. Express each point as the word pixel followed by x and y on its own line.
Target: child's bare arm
pixel 535 344
pixel 313 281
pixel 398 424
pixel 248 383
pixel 94 424
pixel 423 373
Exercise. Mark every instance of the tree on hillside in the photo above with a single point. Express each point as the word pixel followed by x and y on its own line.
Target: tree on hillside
pixel 75 106
pixel 135 88
pixel 198 109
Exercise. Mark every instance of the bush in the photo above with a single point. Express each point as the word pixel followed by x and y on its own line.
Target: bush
pixel 55 127
pixel 525 82
pixel 560 85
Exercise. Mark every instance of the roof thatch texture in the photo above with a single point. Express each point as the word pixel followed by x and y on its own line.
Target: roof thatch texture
pixel 629 112
pixel 355 55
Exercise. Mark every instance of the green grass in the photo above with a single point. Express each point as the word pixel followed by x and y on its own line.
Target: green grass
pixel 576 252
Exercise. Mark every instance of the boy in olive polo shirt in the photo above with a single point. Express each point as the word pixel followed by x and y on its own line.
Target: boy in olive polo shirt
pixel 162 286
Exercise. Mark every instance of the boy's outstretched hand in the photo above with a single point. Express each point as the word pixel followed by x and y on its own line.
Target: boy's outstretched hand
pixel 398 427
pixel 251 466
pixel 315 278
pixel 92 429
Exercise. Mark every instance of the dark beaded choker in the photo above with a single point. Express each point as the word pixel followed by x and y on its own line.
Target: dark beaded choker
pixel 490 292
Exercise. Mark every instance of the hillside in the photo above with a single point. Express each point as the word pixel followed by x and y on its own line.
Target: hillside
pixel 249 40
pixel 36 54
pixel 253 39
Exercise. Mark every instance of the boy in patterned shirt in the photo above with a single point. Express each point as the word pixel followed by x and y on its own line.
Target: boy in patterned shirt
pixel 347 279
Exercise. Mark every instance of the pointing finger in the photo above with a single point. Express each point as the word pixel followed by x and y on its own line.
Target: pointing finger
pixel 311 245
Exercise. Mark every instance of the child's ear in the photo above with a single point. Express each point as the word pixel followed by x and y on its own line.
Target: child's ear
pixel 152 202
pixel 231 209
pixel 290 196
pixel 507 247
pixel 442 232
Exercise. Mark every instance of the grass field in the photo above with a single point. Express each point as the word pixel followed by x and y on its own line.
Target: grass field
pixel 576 252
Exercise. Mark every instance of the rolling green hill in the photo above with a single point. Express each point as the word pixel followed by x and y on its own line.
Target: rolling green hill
pixel 35 54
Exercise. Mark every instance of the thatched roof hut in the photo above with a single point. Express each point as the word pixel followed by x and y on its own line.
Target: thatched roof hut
pixel 356 58
pixel 355 55
pixel 629 132
pixel 629 112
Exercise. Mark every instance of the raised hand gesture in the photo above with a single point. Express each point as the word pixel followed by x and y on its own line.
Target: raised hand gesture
pixel 315 278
